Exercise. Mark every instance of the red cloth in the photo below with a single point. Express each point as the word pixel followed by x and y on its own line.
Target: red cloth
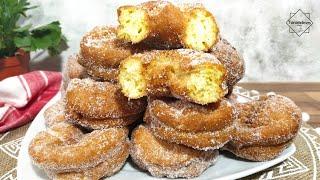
pixel 22 97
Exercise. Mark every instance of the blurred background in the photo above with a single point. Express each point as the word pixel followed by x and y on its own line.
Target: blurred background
pixel 257 28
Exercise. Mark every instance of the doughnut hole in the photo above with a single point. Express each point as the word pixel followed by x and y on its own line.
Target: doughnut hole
pixel 134 26
pixel 131 78
pixel 204 84
pixel 201 30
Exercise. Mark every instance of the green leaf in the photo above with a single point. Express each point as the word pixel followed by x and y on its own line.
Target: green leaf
pixel 23 42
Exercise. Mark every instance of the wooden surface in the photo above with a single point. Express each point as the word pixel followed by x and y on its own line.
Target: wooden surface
pixel 305 95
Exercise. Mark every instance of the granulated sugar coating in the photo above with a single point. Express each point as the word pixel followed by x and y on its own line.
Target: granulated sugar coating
pixel 107 168
pixel 104 123
pixel 205 141
pixel 100 47
pixel 98 100
pixel 271 120
pixel 55 113
pixel 64 148
pixel 163 159
pixel 232 61
pixel 191 117
pixel 265 127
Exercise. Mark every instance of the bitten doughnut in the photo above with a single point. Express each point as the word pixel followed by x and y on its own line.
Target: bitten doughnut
pixel 55 113
pixel 100 100
pixel 64 148
pixel 92 123
pixel 163 159
pixel 270 123
pixel 190 117
pixel 164 25
pixel 185 74
pixel 104 169
pixel 231 59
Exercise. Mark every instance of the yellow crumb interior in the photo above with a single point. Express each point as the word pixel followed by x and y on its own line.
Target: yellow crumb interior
pixel 201 31
pixel 204 85
pixel 131 79
pixel 133 24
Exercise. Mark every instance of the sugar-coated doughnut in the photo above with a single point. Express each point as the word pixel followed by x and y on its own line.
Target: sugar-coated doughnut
pixel 164 159
pixel 206 140
pixel 271 120
pixel 99 100
pixel 185 74
pixel 64 148
pixel 162 24
pixel 55 113
pixel 264 127
pixel 231 59
pixel 107 168
pixel 92 123
pixel 256 152
pixel 192 117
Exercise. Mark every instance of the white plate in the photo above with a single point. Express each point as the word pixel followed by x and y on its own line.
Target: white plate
pixel 226 167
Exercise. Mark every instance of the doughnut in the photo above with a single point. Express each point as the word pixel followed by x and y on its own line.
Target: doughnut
pixel 204 140
pixel 271 120
pixel 55 113
pixel 64 148
pixel 100 47
pixel 258 153
pixel 91 123
pixel 72 69
pixel 163 159
pixel 190 117
pixel 105 169
pixel 162 24
pixel 100 100
pixel 104 74
pixel 231 59
pixel 185 74
pixel 265 125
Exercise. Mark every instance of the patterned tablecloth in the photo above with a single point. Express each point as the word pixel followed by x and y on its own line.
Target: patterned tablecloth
pixel 304 164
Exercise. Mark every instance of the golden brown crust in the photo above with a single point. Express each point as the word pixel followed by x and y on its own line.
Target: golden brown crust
pixel 55 113
pixel 191 117
pixel 271 120
pixel 197 140
pixel 163 159
pixel 92 123
pixel 258 153
pixel 104 169
pixel 164 25
pixel 231 59
pixel 98 100
pixel 64 148
pixel 185 74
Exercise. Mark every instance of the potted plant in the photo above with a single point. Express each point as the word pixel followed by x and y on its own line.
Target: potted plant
pixel 17 41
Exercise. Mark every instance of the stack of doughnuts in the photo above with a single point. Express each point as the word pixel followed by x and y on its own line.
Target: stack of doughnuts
pixel 166 74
